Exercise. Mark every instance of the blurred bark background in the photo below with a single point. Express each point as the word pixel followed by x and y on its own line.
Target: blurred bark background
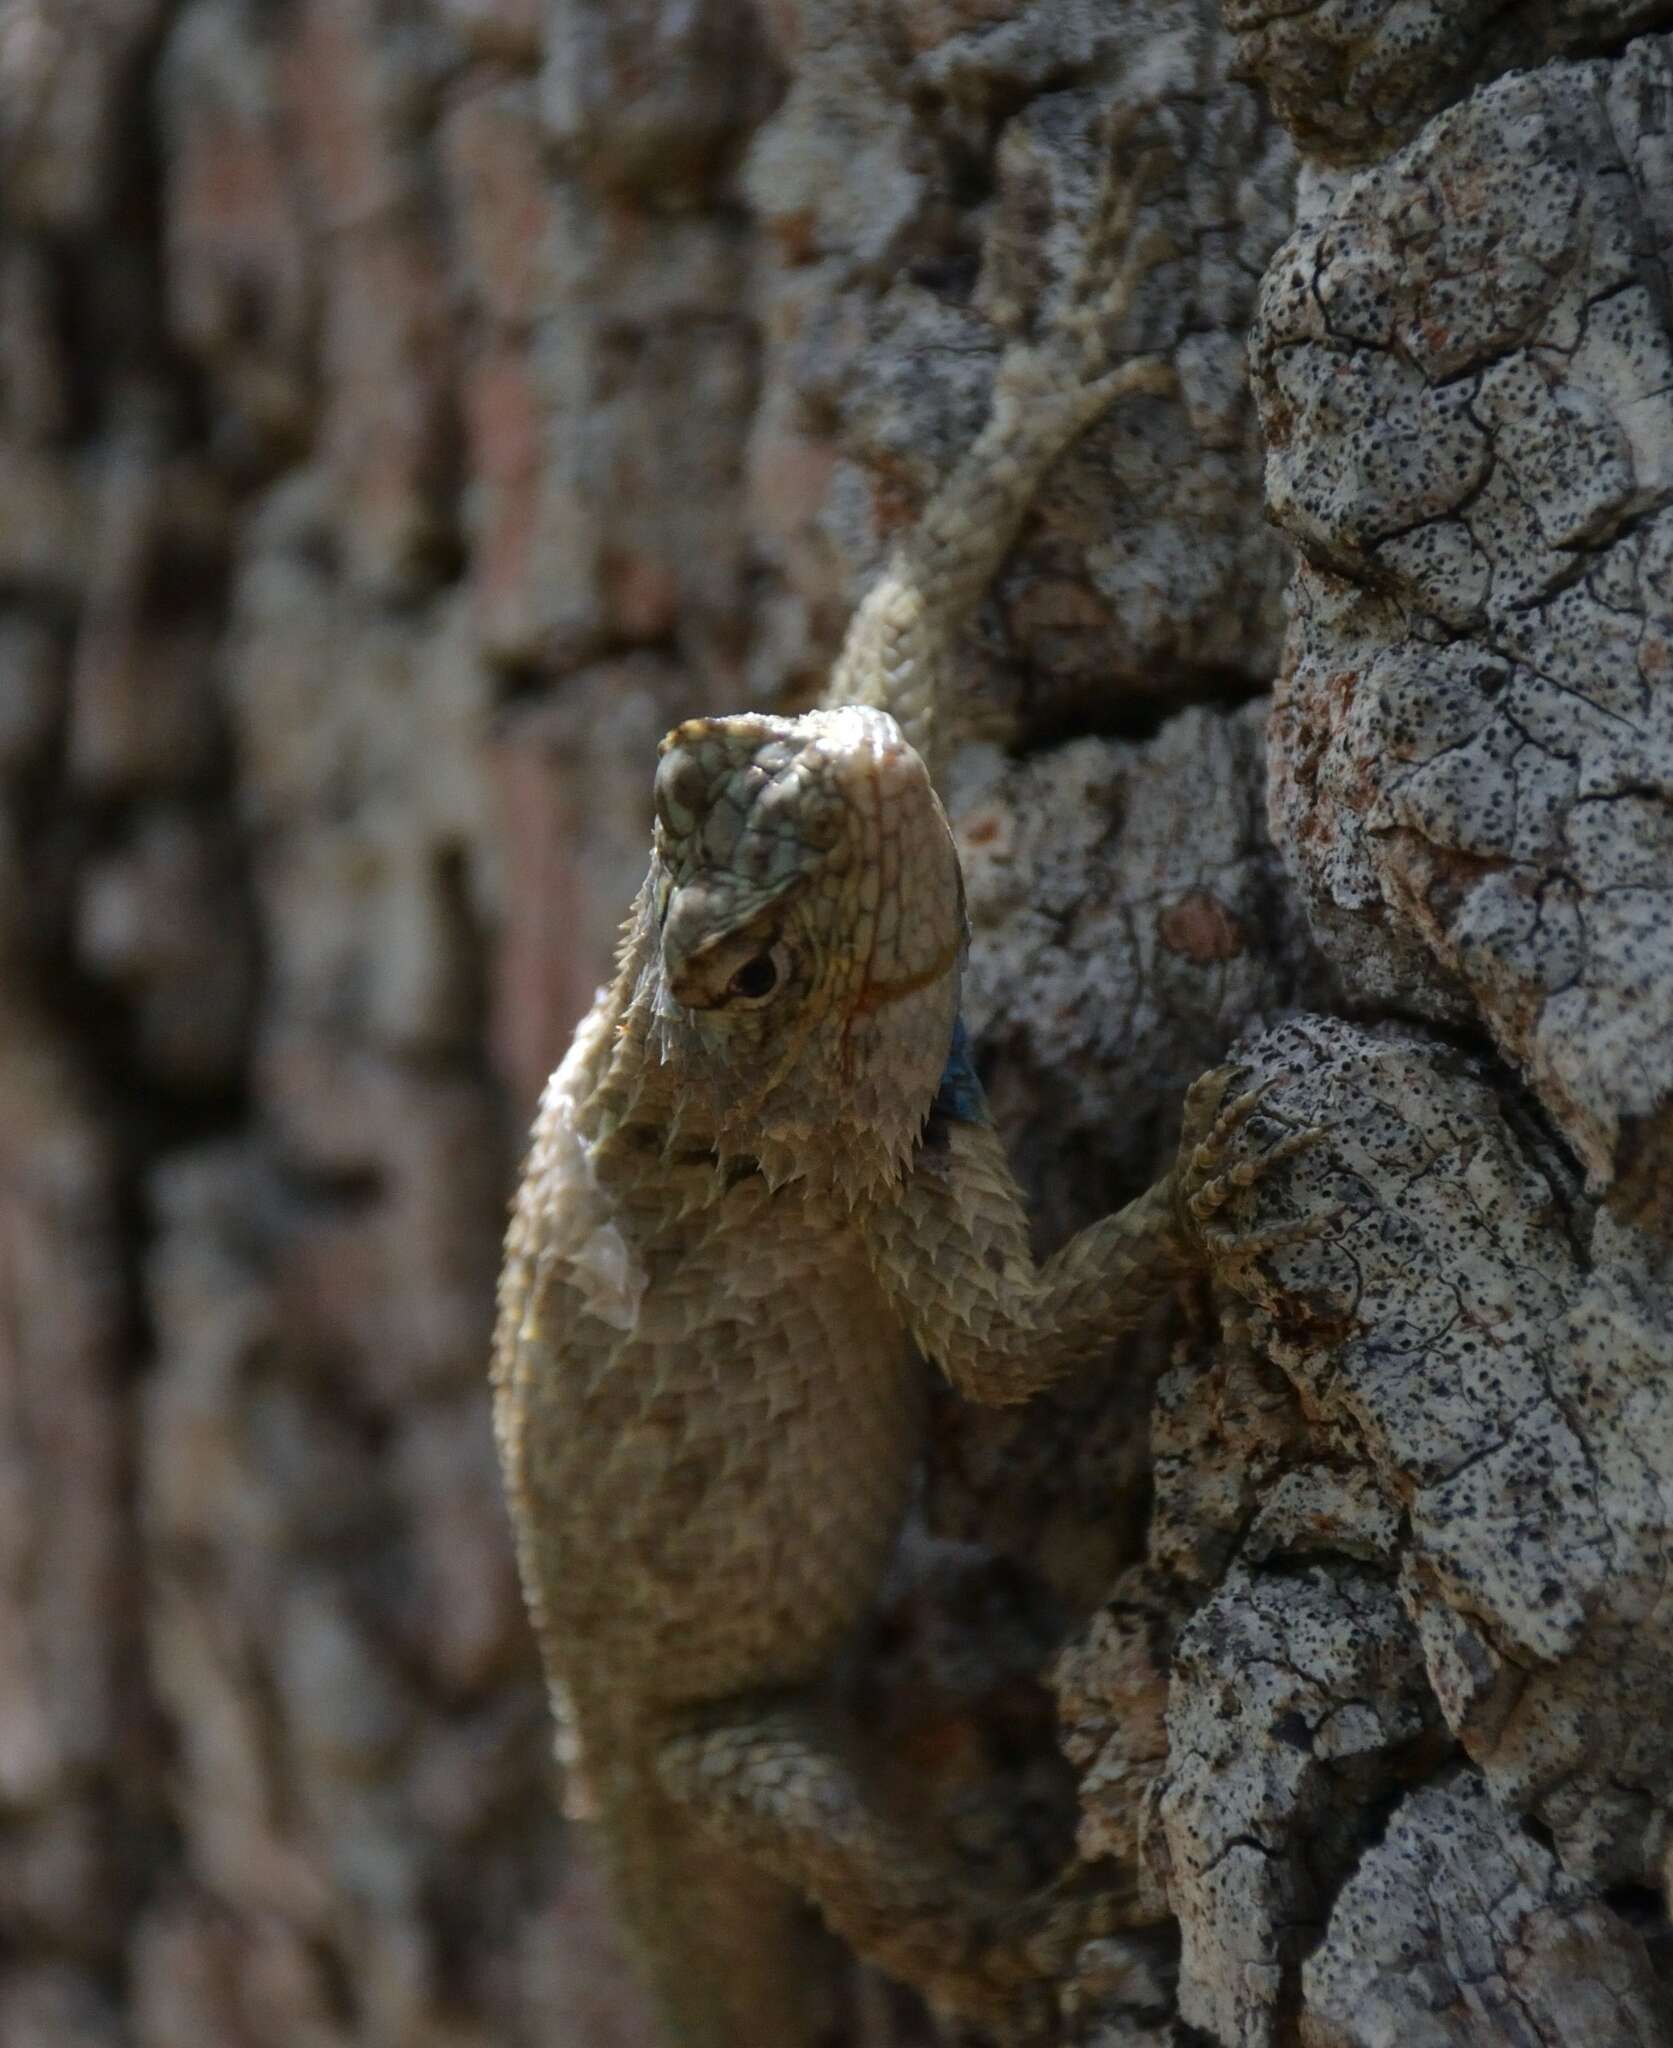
pixel 408 408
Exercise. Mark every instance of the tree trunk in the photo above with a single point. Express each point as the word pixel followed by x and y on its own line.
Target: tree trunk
pixel 408 408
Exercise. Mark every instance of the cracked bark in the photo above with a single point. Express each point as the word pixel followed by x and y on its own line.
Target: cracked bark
pixel 410 407
pixel 1461 362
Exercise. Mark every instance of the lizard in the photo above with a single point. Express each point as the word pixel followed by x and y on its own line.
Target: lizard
pixel 762 1190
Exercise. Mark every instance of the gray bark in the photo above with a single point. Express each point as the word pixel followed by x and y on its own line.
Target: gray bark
pixel 410 407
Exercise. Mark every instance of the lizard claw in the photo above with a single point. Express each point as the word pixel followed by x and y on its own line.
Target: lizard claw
pixel 1018 1962
pixel 1207 1184
pixel 1224 1244
pixel 1213 1194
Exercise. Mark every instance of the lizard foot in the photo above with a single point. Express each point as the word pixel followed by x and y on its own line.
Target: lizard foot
pixel 1075 363
pixel 1014 1960
pixel 1206 1184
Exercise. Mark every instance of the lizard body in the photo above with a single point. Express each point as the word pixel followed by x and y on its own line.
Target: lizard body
pixel 752 1209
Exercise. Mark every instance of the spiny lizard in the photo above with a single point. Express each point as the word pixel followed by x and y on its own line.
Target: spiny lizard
pixel 763 1190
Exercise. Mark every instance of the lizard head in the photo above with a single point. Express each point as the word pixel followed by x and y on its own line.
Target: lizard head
pixel 809 926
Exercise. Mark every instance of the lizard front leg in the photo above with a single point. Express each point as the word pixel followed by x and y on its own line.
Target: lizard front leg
pixel 951 1248
pixel 773 1777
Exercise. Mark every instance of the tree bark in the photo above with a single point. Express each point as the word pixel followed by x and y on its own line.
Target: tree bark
pixel 408 408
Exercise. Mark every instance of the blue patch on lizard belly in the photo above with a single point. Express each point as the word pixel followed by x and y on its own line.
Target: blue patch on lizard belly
pixel 960 1096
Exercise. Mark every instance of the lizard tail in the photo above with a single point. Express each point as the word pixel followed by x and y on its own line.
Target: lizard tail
pixel 729 1955
pixel 1047 389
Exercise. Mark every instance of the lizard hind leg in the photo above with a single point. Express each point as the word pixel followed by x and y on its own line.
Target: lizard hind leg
pixel 726 1951
pixel 770 1777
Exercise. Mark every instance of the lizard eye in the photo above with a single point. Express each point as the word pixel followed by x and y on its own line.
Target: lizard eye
pixel 757 978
